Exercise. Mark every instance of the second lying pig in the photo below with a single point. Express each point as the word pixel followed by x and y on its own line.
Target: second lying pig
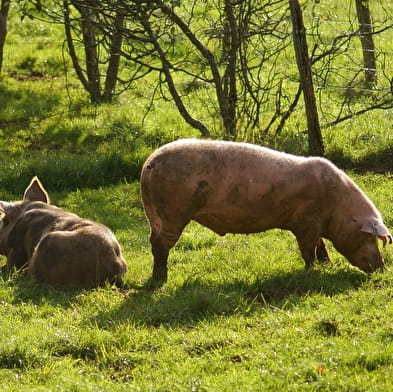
pixel 55 246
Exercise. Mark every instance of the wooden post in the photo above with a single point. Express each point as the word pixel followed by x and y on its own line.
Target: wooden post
pixel 315 143
pixel 366 38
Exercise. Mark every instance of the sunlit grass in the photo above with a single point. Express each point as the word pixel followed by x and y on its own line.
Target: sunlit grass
pixel 237 312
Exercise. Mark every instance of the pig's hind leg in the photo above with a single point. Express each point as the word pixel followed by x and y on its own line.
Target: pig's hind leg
pixel 162 241
pixel 51 261
pixel 16 258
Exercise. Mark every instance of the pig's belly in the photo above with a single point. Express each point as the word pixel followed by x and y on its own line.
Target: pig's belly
pixel 234 223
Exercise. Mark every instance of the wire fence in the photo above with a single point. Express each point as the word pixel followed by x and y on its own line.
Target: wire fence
pixel 338 68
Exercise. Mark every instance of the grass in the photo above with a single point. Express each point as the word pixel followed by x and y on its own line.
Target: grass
pixel 237 313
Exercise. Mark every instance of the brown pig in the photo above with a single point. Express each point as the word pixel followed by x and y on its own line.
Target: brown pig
pixel 234 187
pixel 55 246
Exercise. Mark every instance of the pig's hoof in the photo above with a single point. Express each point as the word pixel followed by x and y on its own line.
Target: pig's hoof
pixel 309 266
pixel 160 275
pixel 153 283
pixel 324 261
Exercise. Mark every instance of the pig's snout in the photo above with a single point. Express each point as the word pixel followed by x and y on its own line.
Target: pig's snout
pixel 372 266
pixel 368 263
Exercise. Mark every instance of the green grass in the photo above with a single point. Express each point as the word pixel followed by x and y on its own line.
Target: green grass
pixel 237 313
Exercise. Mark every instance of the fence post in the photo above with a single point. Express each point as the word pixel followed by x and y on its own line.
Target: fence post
pixel 366 38
pixel 315 142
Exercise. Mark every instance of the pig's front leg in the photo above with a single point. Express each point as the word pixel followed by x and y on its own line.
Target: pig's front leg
pixel 322 253
pixel 16 258
pixel 311 246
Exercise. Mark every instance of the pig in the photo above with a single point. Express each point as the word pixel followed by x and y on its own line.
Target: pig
pixel 233 187
pixel 57 247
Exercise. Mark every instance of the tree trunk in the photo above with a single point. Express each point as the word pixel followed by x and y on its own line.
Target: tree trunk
pixel 230 48
pixel 4 9
pixel 88 10
pixel 114 59
pixel 70 43
pixel 315 143
pixel 366 38
pixel 90 44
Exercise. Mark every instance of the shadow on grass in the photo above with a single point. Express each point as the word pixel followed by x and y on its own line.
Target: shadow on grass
pixel 68 172
pixel 19 105
pixel 196 300
pixel 291 287
pixel 27 290
pixel 184 307
pixel 377 161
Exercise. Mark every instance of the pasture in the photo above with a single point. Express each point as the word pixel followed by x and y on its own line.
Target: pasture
pixel 238 313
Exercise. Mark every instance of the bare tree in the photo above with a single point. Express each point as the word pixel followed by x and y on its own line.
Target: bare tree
pixel 342 88
pixel 85 29
pixel 114 50
pixel 228 66
pixel 98 63
pixel 88 12
pixel 196 55
pixel 4 9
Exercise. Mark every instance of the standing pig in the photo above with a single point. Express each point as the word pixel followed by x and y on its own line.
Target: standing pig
pixel 242 188
pixel 55 246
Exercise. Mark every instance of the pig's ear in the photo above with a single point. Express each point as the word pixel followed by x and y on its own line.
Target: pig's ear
pixel 378 228
pixel 36 192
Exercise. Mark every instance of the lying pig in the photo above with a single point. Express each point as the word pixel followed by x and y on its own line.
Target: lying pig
pixel 242 188
pixel 55 246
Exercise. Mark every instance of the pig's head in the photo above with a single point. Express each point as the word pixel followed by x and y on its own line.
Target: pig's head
pixel 361 244
pixel 11 211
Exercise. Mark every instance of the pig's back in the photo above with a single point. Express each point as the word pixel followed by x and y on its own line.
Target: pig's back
pixel 184 159
pixel 226 186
